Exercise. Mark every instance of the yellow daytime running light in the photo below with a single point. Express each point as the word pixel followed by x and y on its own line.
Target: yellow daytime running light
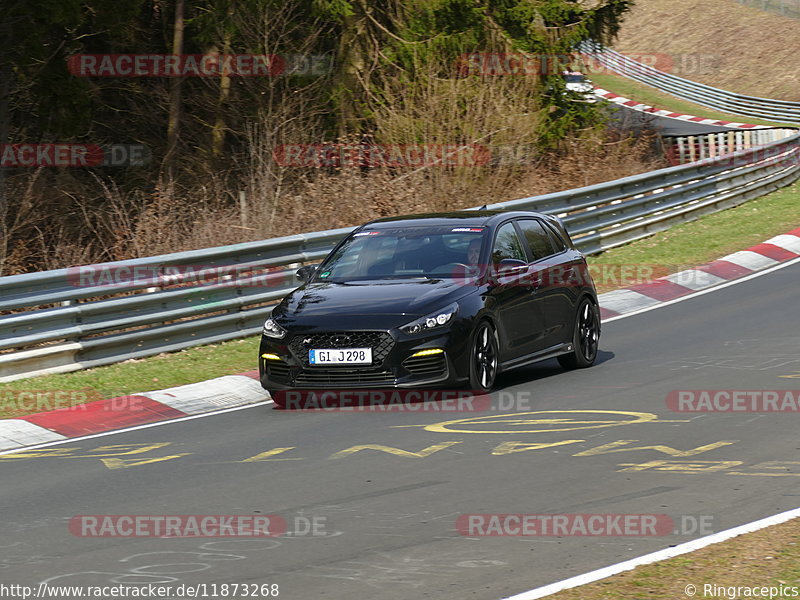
pixel 429 352
pixel 271 356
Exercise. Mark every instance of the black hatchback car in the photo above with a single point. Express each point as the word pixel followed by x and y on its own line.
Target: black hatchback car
pixel 434 300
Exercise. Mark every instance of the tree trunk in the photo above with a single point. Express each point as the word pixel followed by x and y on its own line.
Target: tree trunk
pixel 173 126
pixel 218 131
pixel 5 90
pixel 352 76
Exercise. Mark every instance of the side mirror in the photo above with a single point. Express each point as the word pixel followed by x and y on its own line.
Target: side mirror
pixel 306 273
pixel 507 266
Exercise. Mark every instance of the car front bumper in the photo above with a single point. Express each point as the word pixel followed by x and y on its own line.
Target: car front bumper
pixel 394 365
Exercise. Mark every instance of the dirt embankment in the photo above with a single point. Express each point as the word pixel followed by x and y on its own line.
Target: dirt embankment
pixel 720 43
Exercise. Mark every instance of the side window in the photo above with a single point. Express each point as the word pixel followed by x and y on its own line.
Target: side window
pixel 537 238
pixel 559 244
pixel 507 244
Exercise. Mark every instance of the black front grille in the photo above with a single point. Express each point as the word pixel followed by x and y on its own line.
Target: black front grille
pixel 380 342
pixel 338 376
pixel 426 365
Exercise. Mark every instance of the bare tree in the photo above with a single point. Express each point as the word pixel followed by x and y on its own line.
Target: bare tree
pixel 173 126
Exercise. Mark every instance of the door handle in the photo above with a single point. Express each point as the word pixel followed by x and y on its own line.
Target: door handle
pixel 515 270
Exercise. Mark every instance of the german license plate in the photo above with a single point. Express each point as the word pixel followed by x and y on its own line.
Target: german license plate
pixel 340 356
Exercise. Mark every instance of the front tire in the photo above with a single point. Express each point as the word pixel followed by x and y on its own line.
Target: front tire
pixel 483 358
pixel 585 337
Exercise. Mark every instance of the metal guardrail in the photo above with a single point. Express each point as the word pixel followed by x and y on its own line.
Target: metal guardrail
pixel 70 319
pixel 682 149
pixel 781 111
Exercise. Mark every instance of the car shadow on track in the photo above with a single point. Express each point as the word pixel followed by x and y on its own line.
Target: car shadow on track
pixel 542 370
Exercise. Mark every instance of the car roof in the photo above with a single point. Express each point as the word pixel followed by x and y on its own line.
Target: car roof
pixel 471 218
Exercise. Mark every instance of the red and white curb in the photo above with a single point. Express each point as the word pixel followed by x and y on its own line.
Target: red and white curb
pixel 17 433
pixel 232 391
pixel 622 101
pixel 774 251
pixel 217 394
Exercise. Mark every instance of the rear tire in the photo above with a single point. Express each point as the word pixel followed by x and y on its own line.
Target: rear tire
pixel 585 337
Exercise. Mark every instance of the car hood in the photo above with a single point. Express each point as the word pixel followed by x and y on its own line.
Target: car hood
pixel 401 298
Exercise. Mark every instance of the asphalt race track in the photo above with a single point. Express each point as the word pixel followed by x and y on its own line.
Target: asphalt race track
pixel 386 515
pixel 629 118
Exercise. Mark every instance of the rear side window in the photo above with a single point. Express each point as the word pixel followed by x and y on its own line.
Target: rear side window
pixel 507 244
pixel 537 238
pixel 558 242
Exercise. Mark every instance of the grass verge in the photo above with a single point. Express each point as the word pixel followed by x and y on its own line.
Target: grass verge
pixel 128 377
pixel 766 558
pixel 645 94
pixel 709 237
pixel 678 248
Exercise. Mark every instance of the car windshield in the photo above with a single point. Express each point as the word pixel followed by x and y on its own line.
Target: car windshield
pixel 429 252
pixel 574 79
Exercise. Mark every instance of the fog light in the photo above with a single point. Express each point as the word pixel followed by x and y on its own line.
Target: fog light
pixel 428 352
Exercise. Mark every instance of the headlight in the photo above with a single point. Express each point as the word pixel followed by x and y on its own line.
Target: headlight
pixel 273 330
pixel 438 319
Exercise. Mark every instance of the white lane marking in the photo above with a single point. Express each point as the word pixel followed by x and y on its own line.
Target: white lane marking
pixel 790 263
pixel 134 428
pixel 220 412
pixel 659 555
